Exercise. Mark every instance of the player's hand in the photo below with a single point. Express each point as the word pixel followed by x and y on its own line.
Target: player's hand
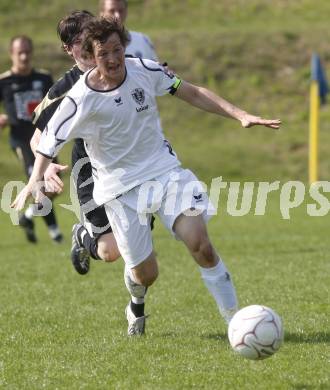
pixel 53 183
pixel 248 120
pixel 3 120
pixel 21 198
pixel 31 189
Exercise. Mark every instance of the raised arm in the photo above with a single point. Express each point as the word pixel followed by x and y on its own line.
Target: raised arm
pixel 208 101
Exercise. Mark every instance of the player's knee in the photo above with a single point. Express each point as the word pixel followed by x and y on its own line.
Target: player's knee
pixel 107 255
pixel 107 248
pixel 146 275
pixel 203 249
pixel 147 278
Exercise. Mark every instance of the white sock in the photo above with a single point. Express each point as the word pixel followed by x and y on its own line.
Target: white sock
pixel 29 212
pixel 136 290
pixel 218 281
pixel 53 231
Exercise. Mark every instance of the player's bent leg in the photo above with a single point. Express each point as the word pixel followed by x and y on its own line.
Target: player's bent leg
pixel 193 232
pixel 107 248
pixel 134 241
pixel 147 271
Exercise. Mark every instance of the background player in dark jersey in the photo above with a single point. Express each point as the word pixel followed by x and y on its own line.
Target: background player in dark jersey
pixel 21 89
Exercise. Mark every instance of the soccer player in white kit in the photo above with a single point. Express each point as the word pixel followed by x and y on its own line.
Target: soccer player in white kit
pixel 112 107
pixel 103 244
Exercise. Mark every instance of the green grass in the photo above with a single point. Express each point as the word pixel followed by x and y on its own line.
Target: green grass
pixel 66 331
pixel 255 53
pixel 59 330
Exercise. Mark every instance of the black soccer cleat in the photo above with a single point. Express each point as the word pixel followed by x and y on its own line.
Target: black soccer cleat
pixel 79 255
pixel 28 226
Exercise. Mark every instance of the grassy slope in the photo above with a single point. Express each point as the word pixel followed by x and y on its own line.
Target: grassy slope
pixel 255 53
pixel 60 330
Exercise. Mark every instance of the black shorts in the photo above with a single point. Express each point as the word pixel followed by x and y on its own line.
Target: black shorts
pixel 97 217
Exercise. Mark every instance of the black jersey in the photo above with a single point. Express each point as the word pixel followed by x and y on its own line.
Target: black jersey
pixel 20 96
pixel 56 94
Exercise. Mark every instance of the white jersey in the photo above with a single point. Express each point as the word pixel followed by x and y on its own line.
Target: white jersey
pixel 140 46
pixel 120 127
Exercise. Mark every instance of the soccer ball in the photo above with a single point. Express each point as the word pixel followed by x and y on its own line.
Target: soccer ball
pixel 256 332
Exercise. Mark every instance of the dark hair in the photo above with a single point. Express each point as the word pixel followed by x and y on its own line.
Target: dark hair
pixel 99 29
pixel 72 25
pixel 21 38
pixel 101 4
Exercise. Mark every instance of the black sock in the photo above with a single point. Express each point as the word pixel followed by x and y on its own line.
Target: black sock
pixel 88 242
pixel 50 219
pixel 137 309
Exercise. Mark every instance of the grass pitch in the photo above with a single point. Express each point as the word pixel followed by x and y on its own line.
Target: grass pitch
pixel 60 330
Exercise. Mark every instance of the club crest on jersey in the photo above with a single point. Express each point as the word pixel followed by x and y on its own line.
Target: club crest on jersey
pixel 138 95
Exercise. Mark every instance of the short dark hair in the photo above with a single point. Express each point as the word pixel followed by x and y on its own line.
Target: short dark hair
pixel 101 4
pixel 21 38
pixel 99 29
pixel 72 25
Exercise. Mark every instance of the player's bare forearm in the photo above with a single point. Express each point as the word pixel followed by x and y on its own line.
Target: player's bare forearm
pixel 41 163
pixel 206 100
pixel 34 142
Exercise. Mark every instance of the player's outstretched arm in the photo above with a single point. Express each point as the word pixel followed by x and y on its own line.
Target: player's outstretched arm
pixel 208 101
pixel 34 185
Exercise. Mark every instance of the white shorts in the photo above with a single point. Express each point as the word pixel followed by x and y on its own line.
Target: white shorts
pixel 176 192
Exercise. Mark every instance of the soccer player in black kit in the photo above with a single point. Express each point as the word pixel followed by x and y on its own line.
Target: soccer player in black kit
pixel 22 88
pixel 99 243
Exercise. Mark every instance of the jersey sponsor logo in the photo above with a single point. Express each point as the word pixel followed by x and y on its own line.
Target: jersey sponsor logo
pixel 198 198
pixel 139 96
pixel 143 108
pixel 37 84
pixel 26 102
